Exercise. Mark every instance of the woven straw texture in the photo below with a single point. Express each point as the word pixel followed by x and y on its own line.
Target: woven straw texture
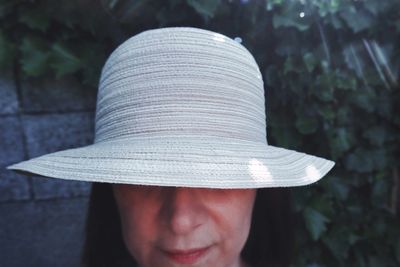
pixel 181 106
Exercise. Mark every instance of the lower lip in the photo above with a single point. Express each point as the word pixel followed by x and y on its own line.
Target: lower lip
pixel 187 258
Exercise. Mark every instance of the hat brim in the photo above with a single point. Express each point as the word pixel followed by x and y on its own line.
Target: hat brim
pixel 183 161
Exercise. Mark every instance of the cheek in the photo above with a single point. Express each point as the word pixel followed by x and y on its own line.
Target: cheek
pixel 243 229
pixel 137 228
pixel 237 222
pixel 243 226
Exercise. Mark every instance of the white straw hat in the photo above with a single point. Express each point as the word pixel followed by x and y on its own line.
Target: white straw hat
pixel 181 106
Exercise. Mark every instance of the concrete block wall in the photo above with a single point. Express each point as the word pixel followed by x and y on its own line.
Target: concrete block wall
pixel 42 219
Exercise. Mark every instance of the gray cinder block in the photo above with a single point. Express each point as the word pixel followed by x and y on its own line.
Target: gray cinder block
pixel 13 186
pixel 8 95
pixel 11 140
pixel 42 233
pixel 65 94
pixel 50 133
pixel 48 188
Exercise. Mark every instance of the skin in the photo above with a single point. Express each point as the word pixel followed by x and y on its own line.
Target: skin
pixel 161 224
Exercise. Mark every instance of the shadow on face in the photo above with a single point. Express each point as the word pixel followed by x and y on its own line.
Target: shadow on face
pixel 270 242
pixel 166 226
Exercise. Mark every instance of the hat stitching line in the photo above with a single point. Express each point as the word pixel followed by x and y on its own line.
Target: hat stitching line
pixel 293 163
pixel 162 74
pixel 122 119
pixel 146 173
pixel 141 93
pixel 152 110
pixel 136 55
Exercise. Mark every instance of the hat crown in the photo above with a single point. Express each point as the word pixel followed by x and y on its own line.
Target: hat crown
pixel 180 81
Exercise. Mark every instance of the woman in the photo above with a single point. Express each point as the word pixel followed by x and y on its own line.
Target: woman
pixel 181 148
pixel 270 241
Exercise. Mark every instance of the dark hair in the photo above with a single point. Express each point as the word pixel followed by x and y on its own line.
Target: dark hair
pixel 270 242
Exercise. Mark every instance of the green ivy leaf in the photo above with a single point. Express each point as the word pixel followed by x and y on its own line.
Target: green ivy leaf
pixel 397 24
pixel 6 7
pixel 353 238
pixel 306 125
pixel 357 20
pixel 364 98
pixel 379 193
pixel 289 65
pixel 338 188
pixel 34 56
pixel 272 74
pixel 270 5
pixel 374 261
pixel 397 250
pixel 34 18
pixel 6 52
pixel 327 113
pixel 353 60
pixel 284 45
pixel 363 160
pixel 324 93
pixel 344 115
pixel 315 222
pixel 206 8
pixel 93 56
pixel 124 10
pixel 346 82
pixel 327 7
pixel 283 133
pixel 288 21
pixel 340 142
pixel 359 161
pixel 289 16
pixel 334 21
pixel 337 242
pixel 376 135
pixel 300 198
pixel 376 7
pixel 285 137
pixel 324 90
pixel 360 259
pixel 310 61
pixel 63 60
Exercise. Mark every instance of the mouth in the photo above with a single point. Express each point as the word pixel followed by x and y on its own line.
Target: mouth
pixel 189 256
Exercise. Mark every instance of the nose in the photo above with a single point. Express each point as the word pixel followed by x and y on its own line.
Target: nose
pixel 182 210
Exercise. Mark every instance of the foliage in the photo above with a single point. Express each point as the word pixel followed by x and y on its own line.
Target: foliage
pixel 331 69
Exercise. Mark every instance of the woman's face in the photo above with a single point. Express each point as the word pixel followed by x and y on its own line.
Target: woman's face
pixel 176 226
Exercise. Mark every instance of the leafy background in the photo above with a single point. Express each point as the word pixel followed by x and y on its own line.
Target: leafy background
pixel 331 70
